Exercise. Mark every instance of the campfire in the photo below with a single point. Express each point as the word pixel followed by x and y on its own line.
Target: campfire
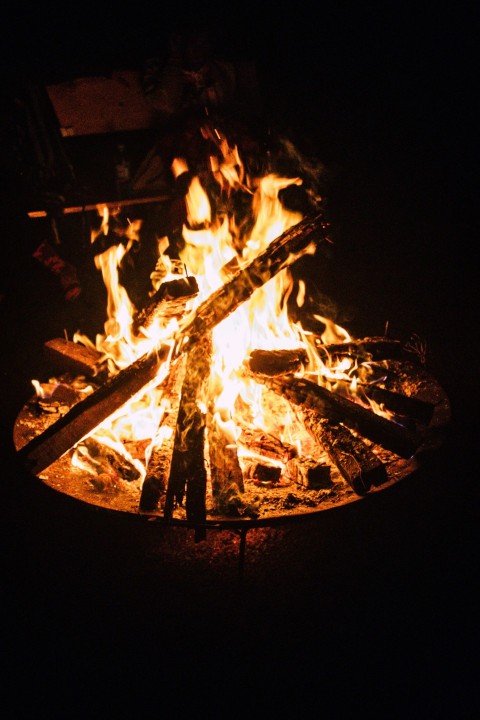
pixel 227 396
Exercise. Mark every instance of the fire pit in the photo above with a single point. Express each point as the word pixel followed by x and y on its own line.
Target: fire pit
pixel 210 405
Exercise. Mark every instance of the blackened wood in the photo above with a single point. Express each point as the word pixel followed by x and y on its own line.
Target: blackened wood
pixel 86 415
pixel 392 436
pixel 357 463
pixel 314 475
pixel 263 474
pixel 188 474
pixel 282 252
pixel 363 350
pixel 265 445
pixel 411 407
pixel 73 357
pixel 62 435
pixel 168 301
pixel 225 472
pixel 277 362
pixel 396 402
pixel 158 466
pixel 108 459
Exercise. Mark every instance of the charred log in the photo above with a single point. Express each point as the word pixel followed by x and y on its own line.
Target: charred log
pixel 168 301
pixel 309 395
pixel 357 463
pixel 84 417
pixel 105 458
pixel 188 473
pixel 159 463
pixel 265 445
pixel 70 356
pixel 363 350
pixel 277 362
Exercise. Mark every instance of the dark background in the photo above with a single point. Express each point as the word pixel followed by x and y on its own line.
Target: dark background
pixel 370 607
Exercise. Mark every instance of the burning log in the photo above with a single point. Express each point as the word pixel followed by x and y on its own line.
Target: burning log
pixel 265 445
pixel 313 474
pixel 356 462
pixel 400 404
pixel 159 463
pixel 364 350
pixel 61 436
pixel 225 471
pixel 168 301
pixel 104 458
pixel 188 472
pixel 70 356
pixel 309 395
pixel 277 362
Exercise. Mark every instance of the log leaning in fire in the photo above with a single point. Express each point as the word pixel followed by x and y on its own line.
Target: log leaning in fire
pixel 357 463
pixel 188 475
pixel 83 418
pixel 307 394
pixel 159 462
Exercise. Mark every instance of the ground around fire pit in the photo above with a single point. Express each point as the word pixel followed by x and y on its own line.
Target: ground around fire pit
pixel 372 607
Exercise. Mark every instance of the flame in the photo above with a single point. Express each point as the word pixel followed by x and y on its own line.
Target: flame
pixel 214 241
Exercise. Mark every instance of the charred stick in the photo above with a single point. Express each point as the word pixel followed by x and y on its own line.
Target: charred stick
pixel 70 356
pixel 277 362
pixel 411 407
pixel 225 471
pixel 363 350
pixel 60 437
pixel 265 445
pixel 282 252
pixel 86 415
pixel 187 472
pixel 357 463
pixel 168 301
pixel 309 395
pixel 159 463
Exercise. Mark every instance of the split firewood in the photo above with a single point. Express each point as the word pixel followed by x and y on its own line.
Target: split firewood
pixel 169 301
pixel 75 358
pixel 357 463
pixel 363 350
pixel 105 458
pixel 277 362
pixel 188 474
pixel 61 436
pixel 314 475
pixel 263 474
pixel 263 444
pixel 159 462
pixel 307 394
pixel 400 404
pixel 225 472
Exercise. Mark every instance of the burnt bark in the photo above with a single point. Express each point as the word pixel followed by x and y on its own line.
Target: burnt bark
pixel 363 350
pixel 69 356
pixel 307 394
pixel 167 302
pixel 188 474
pixel 277 362
pixel 357 463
